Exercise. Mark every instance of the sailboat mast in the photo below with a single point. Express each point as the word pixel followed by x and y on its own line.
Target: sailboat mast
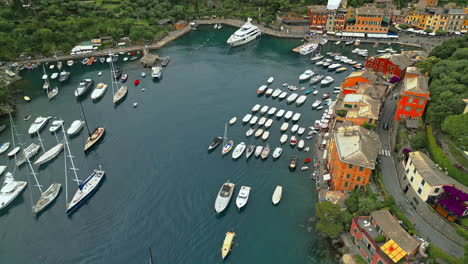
pixel 73 168
pixel 66 174
pixel 86 121
pixel 33 173
pixel 40 140
pixel 112 69
pixel 12 132
pixel 151 256
pixel 225 133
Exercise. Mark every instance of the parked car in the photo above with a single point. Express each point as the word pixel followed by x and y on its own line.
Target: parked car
pixel 385 126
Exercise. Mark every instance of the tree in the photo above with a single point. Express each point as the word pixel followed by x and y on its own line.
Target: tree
pixel 403 26
pixel 426 65
pixel 428 30
pixel 456 126
pixel 369 126
pixel 330 219
pixel 419 141
pixel 367 205
pixel 393 29
pixel 441 32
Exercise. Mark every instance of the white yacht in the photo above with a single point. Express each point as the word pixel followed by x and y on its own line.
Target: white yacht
pixel 98 91
pixel 75 127
pixel 308 48
pixel 264 109
pixel 277 152
pixel 238 150
pixel 327 80
pixel 246 33
pixel 56 124
pixel 156 72
pixel 306 75
pixel 10 190
pixel 224 196
pixel 39 123
pixel 242 197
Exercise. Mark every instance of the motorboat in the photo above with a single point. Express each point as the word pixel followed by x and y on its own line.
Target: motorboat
pixel 64 75
pixel 102 59
pixel 294 128
pixel 306 75
pixel 232 120
pixel 293 140
pixel 280 113
pixel 265 152
pixel 276 93
pixel 256 108
pixel 284 127
pixel 269 92
pixel 250 132
pixel 316 58
pixel 85 61
pixel 300 131
pixel 51 66
pixel 117 73
pixel 27 153
pixel 268 123
pixel 323 41
pixel 282 95
pixel 292 97
pixel 316 104
pixel 246 118
pixel 227 243
pixel 10 190
pixel 326 64
pixel 301 144
pixel 70 63
pixel 283 139
pixel 124 77
pixel 54 75
pixel 308 48
pixel 83 87
pixel 242 197
pixel 272 111
pixel 215 142
pixel 156 72
pixel 300 100
pixel 56 124
pixel 3 169
pixel 259 132
pixel 258 151
pixel 308 91
pixel 99 91
pixel 296 117
pixel 261 89
pixel 4 147
pixel 320 107
pixel 249 151
pixel 304 168
pixel 143 74
pixel 325 95
pixel 320 62
pixel 50 154
pixel 227 147
pixel 246 33
pixel 293 162
pixel 277 152
pixel 288 115
pixel 264 109
pixel 270 80
pixel 253 120
pixel 350 42
pixel 276 198
pixel 262 121
pixel 136 82
pixel 13 152
pixel 38 124
pixel 75 127
pixel 317 78
pixel 327 80
pixel 342 69
pixel 99 73
pixel 265 135
pixel 125 59
pixel 238 150
pixel 52 93
pixel 315 92
pixel 334 66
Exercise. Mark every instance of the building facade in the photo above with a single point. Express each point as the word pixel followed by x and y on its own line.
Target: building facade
pixel 368 19
pixel 391 64
pixel 361 109
pixel 318 15
pixel 350 84
pixel 452 204
pixel 413 96
pixel 456 19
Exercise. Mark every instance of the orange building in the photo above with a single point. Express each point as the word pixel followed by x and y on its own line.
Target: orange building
pixel 416 19
pixel 391 64
pixel 426 3
pixel 368 19
pixel 437 19
pixel 413 95
pixel 351 159
pixel 361 109
pixel 349 85
pixel 318 18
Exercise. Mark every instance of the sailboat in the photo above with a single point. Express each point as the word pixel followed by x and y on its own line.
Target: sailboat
pixel 51 93
pixel 93 137
pixel 45 77
pixel 50 154
pixel 85 188
pixel 227 144
pixel 122 91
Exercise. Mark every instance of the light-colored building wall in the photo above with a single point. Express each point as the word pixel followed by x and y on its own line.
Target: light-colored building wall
pixel 419 184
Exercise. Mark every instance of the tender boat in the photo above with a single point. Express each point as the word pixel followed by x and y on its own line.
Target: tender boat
pixel 232 120
pixel 276 198
pixel 75 127
pixel 250 132
pixel 224 196
pixel 325 95
pixel 215 143
pixel 282 95
pixel 64 75
pixel 249 151
pixel 256 108
pixel 258 151
pixel 280 113
pixel 124 77
pixel 283 139
pixel 272 111
pixel 262 121
pixel 265 152
pixel 50 154
pixel 315 92
pixel 319 107
pixel 38 124
pixel 320 62
pixel 13 152
pixel 99 73
pixel 293 141
pixel 120 94
pixel 227 244
pixel 238 150
pixel 350 42
pixel 264 109
pixel 4 147
pixel 294 128
pixel 304 168
pixel 276 93
pixel 316 58
pixel 317 78
pixel 316 104
pixel 277 152
pixel 301 144
pixel 259 132
pixel 308 48
pixel 265 135
pixel 334 66
pixel 268 123
pixel 253 120
pixel 284 127
pixel 292 97
pixel 70 63
pixel 136 82
pixel 246 33
pixel 56 124
pixel 143 74
pixel 342 69
pixel 246 118
pixel 308 91
pixel 227 147
pixel 301 100
pixel 296 117
pixel 99 91
pixel 293 163
pixel 306 75
pixel 261 89
pixel 156 72
pixel 288 115
pixel 269 92
pixel 83 87
pixel 270 80
pixel 242 197
pixel 327 80
pixel 10 190
pixel 307 160
pixel 300 131
pixel 54 75
pixel 27 153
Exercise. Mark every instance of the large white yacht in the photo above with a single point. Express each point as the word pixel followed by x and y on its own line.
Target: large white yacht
pixel 224 196
pixel 246 33
pixel 10 190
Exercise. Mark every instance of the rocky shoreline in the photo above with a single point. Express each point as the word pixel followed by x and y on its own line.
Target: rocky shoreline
pixel 8 91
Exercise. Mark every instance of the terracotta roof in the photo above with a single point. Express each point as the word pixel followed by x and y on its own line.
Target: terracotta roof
pixel 357 145
pixel 376 91
pixel 393 230
pixel 429 170
pixel 369 10
pixel 416 84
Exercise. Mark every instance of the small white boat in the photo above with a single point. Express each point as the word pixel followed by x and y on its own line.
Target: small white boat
pixel 264 109
pixel 301 144
pixel 56 124
pixel 306 149
pixel 294 128
pixel 262 121
pixel 272 111
pixel 336 91
pixel 283 139
pixel 38 124
pixel 52 66
pixel 2 169
pixel 54 75
pixel 280 113
pixel 327 80
pixel 246 118
pixel 265 135
pixel 316 58
pixel 44 77
pixel 256 108
pixel 99 91
pixel 292 97
pixel 293 140
pixel 342 69
pixel 99 73
pixel 284 127
pixel 250 132
pixel 232 121
pixel 315 92
pixel 4 147
pixel 270 80
pixel 296 117
pixel 282 95
pixel 13 152
pixel 249 151
pixel 259 132
pixel 268 123
pixel 253 120
pixel 316 104
pixel 320 62
pixel 288 115
pixel 301 100
pixel 304 168
pixel 301 131
pixel 306 75
pixel 269 92
pixel 75 127
pixel 320 107
pixel 125 59
pixel 334 66
pixel 277 152
pixel 261 89
pixel 238 150
pixel 276 198
pixel 276 93
pixel 258 151
pixel 242 196
pixel 10 190
pixel 265 152
pixel 224 196
pixel 70 63
pixel 135 105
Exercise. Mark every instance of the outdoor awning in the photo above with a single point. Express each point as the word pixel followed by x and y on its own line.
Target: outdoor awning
pixel 331 33
pixel 326 177
pixel 353 34
pixel 457 33
pixel 338 34
pixel 392 36
pixel 375 35
pixel 432 34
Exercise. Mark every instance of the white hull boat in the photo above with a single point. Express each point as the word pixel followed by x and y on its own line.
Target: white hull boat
pixel 38 124
pixel 301 100
pixel 253 120
pixel 258 151
pixel 75 127
pixel 316 104
pixel 284 127
pixel 256 108
pixel 277 153
pixel 224 196
pixel 270 80
pixel 308 48
pixel 238 150
pixel 272 111
pixel 50 154
pixel 306 75
pixel 27 153
pixel 276 198
pixel 259 132
pixel 246 118
pixel 261 89
pixel 292 97
pixel 268 123
pixel 301 144
pixel 249 132
pixel 249 151
pixel 99 91
pixel 301 131
pixel 265 152
pixel 232 121
pixel 288 115
pixel 296 117
pixel 242 197
pixel 276 93
pixel 294 128
pixel 269 92
pixel 4 147
pixel 282 95
pixel 264 109
pixel 283 139
pixel 10 190
pixel 245 34
pixel 265 135
pixel 2 169
pixel 56 124
pixel 262 121
pixel 327 80
pixel 13 152
pixel 280 113
pixel 85 190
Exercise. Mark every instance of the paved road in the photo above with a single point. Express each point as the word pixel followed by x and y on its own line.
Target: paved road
pixel 392 185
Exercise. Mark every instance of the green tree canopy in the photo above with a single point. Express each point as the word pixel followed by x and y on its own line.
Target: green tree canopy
pixel 330 218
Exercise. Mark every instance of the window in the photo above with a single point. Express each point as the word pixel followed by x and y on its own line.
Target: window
pixel 414 171
pixel 423 182
pixel 380 262
pixel 348 176
pixel 419 191
pixel 407 108
pixel 436 190
pixel 410 100
pixel 358 179
pixel 421 102
pixel 355 230
pixel 346 184
pixel 350 166
pixel 412 178
pixel 361 168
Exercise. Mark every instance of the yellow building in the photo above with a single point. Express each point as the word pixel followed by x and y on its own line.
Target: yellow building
pixel 436 19
pixel 424 177
pixel 416 19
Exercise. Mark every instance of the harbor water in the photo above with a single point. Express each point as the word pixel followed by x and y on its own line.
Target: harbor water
pixel 161 182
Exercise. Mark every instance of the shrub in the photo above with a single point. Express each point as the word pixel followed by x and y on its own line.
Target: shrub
pixel 341 113
pixel 369 126
pixel 359 259
pixel 380 239
pixel 428 30
pixel 403 26
pixel 462 232
pixel 441 32
pixel 435 252
pixel 419 141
